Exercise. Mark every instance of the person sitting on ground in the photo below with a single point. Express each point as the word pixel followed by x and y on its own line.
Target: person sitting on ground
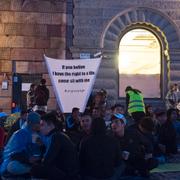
pixel 118 123
pixel 139 143
pixel 84 132
pixel 165 133
pixel 2 139
pixel 19 152
pixel 99 153
pixel 150 112
pixel 107 117
pixel 173 116
pixel 118 109
pixel 97 112
pixel 18 124
pixel 86 122
pixel 61 118
pixel 3 118
pixel 60 161
pixel 99 100
pixel 73 120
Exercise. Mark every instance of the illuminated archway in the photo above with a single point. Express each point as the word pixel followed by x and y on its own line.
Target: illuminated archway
pixel 140 63
pixel 147 18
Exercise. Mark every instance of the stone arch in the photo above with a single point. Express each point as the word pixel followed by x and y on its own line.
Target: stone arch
pixel 139 17
pixel 111 35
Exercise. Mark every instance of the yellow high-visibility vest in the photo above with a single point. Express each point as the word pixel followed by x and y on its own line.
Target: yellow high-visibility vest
pixel 136 102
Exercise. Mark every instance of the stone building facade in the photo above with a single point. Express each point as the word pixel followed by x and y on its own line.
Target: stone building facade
pixel 66 28
pixel 100 24
pixel 29 29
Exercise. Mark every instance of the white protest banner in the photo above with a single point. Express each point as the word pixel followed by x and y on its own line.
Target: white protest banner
pixel 72 81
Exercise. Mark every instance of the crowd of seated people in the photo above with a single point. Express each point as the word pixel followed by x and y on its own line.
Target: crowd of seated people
pixel 101 143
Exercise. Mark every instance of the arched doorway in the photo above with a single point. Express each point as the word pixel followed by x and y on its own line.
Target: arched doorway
pixel 140 62
pixel 164 30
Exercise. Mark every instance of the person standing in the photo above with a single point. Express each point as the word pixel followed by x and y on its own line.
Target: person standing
pixel 31 97
pixel 135 103
pixel 41 96
pixel 171 98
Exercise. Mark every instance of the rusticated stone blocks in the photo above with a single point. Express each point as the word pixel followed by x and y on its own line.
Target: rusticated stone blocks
pixel 28 31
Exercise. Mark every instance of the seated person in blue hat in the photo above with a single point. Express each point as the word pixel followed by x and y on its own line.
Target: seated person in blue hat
pixel 19 151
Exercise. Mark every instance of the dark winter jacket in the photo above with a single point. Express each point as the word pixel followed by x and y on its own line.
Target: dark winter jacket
pixel 137 143
pixel 60 159
pixel 166 135
pixel 41 95
pixel 99 155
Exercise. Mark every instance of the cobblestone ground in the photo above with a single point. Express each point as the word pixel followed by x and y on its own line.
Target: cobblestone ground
pixel 165 176
pixel 168 175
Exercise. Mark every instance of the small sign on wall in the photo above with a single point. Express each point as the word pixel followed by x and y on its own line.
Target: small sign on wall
pixel 4 85
pixel 26 86
pixel 85 55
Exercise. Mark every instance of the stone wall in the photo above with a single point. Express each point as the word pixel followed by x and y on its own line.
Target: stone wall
pixel 92 18
pixel 29 29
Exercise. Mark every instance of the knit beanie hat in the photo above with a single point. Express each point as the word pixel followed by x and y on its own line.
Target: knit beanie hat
pixel 33 118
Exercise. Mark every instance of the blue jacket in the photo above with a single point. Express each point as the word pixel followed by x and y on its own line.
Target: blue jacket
pixel 20 141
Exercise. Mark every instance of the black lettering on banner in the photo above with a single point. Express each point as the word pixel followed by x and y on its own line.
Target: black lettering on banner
pixel 63 80
pixel 91 73
pixel 72 80
pixel 69 67
pixel 67 74
pixel 86 80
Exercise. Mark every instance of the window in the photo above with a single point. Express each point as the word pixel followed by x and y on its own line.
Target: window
pixel 140 63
